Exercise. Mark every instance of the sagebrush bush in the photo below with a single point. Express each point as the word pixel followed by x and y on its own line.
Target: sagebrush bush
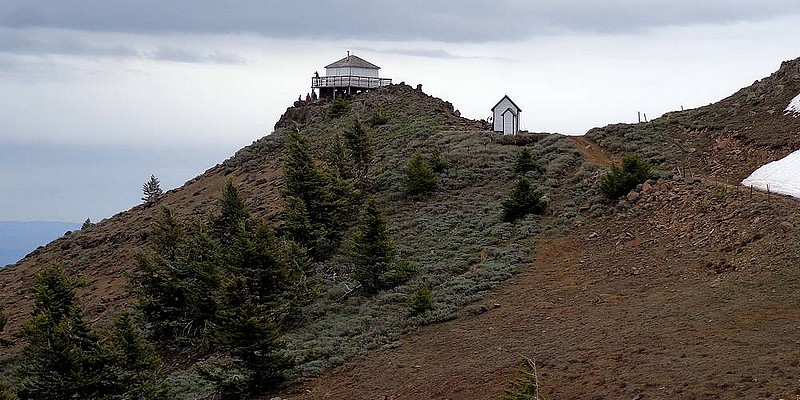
pixel 620 180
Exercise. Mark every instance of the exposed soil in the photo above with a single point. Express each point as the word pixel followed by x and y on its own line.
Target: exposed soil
pixel 689 291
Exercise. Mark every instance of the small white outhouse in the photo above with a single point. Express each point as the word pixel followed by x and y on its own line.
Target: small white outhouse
pixel 505 116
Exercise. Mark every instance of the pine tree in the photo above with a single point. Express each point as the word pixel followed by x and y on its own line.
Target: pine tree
pixel 317 201
pixel 87 224
pixel 358 142
pixel 248 331
pixel 61 359
pixel 134 368
pixel 152 190
pixel 372 251
pixel 526 163
pixel 233 215
pixel 420 179
pixel 523 200
pixel 174 284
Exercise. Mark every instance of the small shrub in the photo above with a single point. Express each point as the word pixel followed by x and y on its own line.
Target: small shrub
pixel 526 163
pixel 435 160
pixel 421 300
pixel 378 119
pixel 339 107
pixel 619 181
pixel 524 200
pixel 420 179
pixel 526 386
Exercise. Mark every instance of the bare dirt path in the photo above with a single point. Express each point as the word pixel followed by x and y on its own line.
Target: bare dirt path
pixel 592 151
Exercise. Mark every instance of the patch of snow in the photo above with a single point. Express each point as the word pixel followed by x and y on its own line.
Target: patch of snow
pixel 793 107
pixel 782 176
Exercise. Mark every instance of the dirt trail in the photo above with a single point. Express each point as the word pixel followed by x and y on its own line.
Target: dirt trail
pixel 592 151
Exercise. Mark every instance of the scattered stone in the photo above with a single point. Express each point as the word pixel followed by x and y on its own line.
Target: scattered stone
pixel 646 187
pixel 786 226
pixel 632 196
pixel 594 235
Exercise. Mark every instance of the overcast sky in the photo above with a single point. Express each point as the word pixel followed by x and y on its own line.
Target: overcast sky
pixel 97 95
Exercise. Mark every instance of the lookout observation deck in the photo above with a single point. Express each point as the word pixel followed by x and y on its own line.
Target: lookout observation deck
pixel 349 75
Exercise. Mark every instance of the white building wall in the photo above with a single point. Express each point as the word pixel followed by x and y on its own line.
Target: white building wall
pixel 497 117
pixel 352 71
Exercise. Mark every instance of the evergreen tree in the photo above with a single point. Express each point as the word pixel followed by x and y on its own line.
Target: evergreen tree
pixel 151 190
pixel 435 160
pixel 175 284
pixel 338 156
pixel 248 331
pixel 317 201
pixel 61 359
pixel 166 235
pixel 372 252
pixel 87 224
pixel 621 180
pixel 526 163
pixel 523 200
pixel 133 365
pixel 420 179
pixel 233 215
pixel 358 142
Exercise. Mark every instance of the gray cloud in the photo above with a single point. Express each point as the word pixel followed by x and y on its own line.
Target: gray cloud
pixel 25 42
pixel 462 21
pixel 182 55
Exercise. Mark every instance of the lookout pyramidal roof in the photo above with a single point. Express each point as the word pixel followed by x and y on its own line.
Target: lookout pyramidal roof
pixel 353 61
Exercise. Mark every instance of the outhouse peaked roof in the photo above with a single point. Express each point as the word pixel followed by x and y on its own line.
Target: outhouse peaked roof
pixel 353 61
pixel 509 99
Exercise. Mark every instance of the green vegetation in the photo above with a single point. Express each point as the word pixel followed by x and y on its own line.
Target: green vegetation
pixel 526 386
pixel 360 150
pixel 338 108
pixel 526 163
pixel 317 200
pixel 66 359
pixel 435 160
pixel 421 300
pixel 87 224
pixel 378 118
pixel 373 254
pixel 228 282
pixel 420 178
pixel 151 190
pixel 619 181
pixel 523 200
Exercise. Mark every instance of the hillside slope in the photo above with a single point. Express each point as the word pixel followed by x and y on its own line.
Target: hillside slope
pixel 456 237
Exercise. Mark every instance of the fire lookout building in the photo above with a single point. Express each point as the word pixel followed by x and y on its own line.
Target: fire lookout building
pixel 349 75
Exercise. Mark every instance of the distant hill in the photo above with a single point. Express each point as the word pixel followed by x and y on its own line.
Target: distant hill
pixel 20 238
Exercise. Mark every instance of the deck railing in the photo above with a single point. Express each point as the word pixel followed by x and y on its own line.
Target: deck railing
pixel 349 81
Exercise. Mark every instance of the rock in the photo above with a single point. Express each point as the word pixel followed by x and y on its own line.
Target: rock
pixel 786 226
pixel 584 207
pixel 646 187
pixel 594 235
pixel 632 196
